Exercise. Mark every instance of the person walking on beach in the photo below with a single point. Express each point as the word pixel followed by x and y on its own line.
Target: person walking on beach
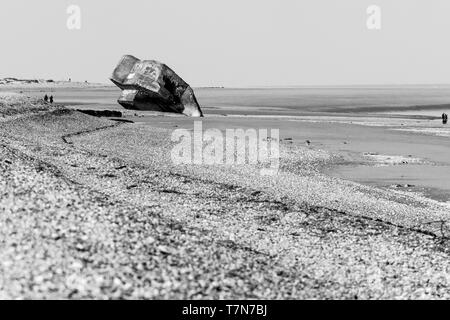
pixel 444 118
pixel 51 99
pixel 45 98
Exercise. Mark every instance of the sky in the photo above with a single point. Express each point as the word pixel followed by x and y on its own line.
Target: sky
pixel 232 43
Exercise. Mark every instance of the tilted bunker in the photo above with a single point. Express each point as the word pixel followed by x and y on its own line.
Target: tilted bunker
pixel 151 85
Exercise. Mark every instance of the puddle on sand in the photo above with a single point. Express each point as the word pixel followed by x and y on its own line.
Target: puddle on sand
pixel 432 181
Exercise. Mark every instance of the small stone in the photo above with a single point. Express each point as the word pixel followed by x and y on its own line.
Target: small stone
pixel 165 250
pixel 77 265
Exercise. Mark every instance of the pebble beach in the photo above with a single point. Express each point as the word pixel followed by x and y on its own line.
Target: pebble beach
pixel 94 208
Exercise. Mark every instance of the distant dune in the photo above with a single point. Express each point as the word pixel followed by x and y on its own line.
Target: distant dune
pixel 42 83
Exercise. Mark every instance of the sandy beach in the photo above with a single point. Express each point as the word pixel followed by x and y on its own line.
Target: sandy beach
pixel 360 212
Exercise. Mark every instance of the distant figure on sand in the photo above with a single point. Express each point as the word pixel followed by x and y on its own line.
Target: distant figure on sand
pixel 45 98
pixel 51 99
pixel 444 118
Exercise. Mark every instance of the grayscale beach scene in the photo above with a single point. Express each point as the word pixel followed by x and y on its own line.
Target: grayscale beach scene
pixel 299 153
